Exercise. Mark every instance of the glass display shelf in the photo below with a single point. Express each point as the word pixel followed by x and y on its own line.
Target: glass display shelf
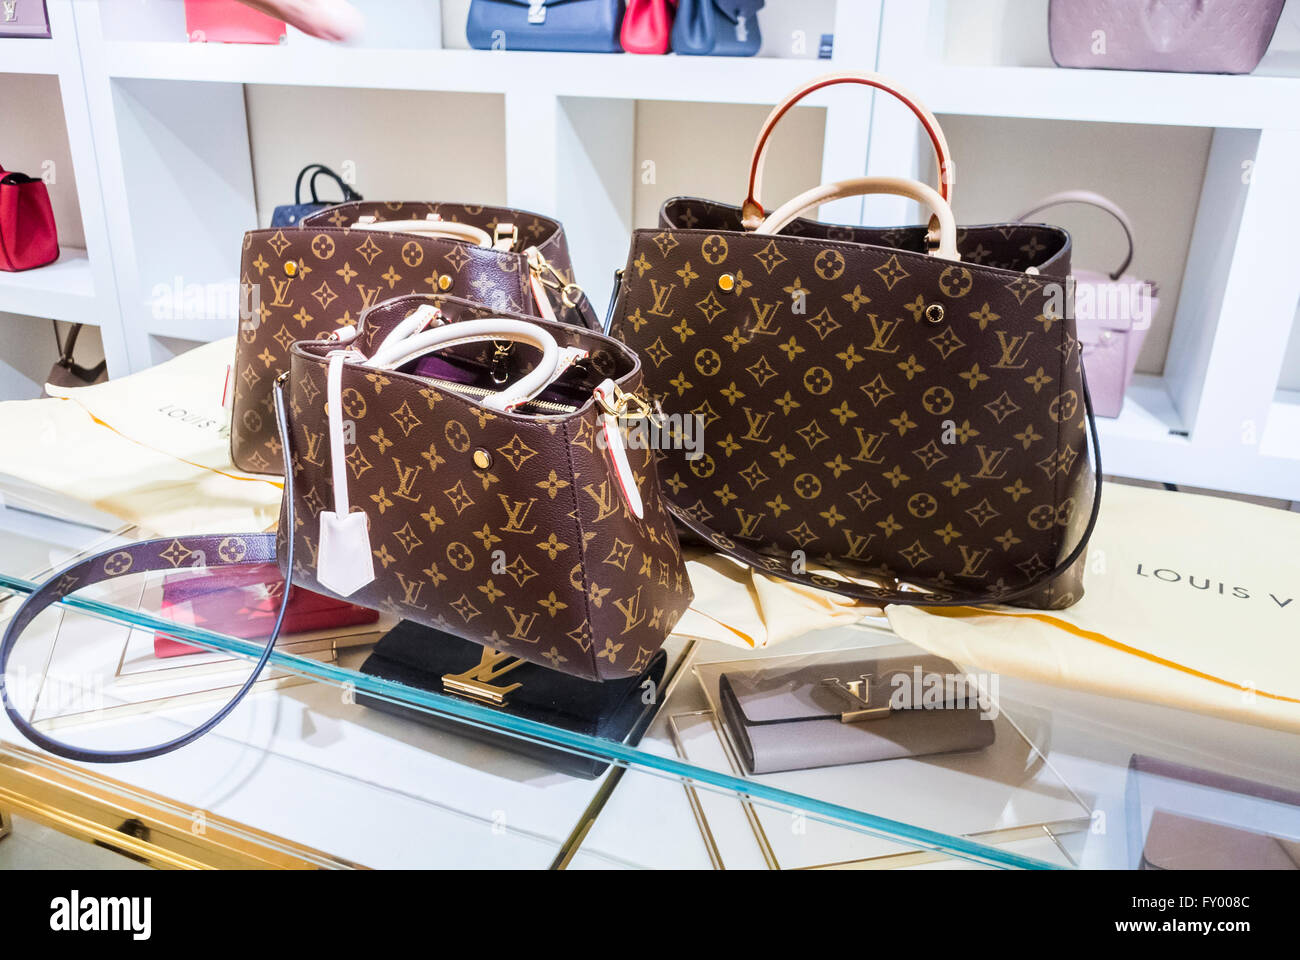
pixel 303 773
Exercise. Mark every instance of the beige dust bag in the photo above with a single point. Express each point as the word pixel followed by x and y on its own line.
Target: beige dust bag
pixel 1191 602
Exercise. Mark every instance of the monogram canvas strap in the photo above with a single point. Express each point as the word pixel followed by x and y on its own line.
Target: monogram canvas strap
pixel 753 208
pixel 1092 200
pixel 902 593
pixel 232 550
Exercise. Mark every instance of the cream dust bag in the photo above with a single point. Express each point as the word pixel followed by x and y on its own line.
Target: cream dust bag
pixel 1190 602
pixel 152 448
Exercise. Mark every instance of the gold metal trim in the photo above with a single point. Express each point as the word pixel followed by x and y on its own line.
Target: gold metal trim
pixel 139 824
pixel 476 682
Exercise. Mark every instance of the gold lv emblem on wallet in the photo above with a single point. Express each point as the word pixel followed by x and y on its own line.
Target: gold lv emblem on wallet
pixel 857 693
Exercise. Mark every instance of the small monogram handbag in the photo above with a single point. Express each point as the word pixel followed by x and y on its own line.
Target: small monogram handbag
pixel 304 282
pixel 905 405
pixel 496 503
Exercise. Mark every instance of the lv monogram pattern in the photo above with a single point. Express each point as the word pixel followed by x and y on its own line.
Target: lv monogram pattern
pixel 319 276
pixel 846 417
pixel 537 554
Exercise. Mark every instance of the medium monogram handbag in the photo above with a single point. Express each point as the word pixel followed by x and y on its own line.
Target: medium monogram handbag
pixel 498 505
pixel 304 282
pixel 906 405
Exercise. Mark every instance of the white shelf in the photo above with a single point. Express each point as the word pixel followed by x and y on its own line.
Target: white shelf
pixel 1282 432
pixel 1113 96
pixel 63 290
pixel 28 55
pixel 611 76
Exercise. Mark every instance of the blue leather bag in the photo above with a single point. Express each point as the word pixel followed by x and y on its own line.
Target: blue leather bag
pixel 290 214
pixel 717 28
pixel 569 26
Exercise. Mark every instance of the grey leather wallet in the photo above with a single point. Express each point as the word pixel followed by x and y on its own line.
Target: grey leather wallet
pixel 851 712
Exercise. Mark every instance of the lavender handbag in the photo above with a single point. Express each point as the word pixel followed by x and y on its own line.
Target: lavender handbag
pixel 1183 36
pixel 24 18
pixel 1112 312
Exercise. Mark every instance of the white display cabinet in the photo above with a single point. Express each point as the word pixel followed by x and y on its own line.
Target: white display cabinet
pixel 80 286
pixel 173 173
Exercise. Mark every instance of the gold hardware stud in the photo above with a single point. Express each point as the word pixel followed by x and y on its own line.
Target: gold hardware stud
pixel 727 283
pixel 482 459
pixel 290 268
pixel 444 282
pixel 934 313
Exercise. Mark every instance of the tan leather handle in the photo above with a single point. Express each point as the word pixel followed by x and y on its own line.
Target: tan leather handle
pixel 752 213
pixel 779 218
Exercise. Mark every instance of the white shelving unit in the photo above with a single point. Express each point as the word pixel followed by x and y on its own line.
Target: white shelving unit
pixel 163 136
pixel 81 286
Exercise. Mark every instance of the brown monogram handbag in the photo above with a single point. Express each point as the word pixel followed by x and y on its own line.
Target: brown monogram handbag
pixel 494 499
pixel 304 282
pixel 503 509
pixel 906 406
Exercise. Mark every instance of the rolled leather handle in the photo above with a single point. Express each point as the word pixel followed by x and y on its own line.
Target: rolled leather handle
pixel 1093 200
pixel 779 218
pixel 449 229
pixel 752 212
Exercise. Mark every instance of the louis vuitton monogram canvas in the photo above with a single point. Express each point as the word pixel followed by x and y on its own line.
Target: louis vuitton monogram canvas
pixel 506 529
pixel 863 402
pixel 321 275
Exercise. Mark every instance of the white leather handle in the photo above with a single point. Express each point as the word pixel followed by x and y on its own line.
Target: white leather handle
pixel 911 189
pixel 397 351
pixel 1092 200
pixel 447 229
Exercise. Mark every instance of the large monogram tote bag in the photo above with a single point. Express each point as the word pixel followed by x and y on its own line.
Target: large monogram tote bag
pixel 906 406
pixel 304 282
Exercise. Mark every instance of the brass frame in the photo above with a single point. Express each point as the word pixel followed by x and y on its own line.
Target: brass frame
pixel 144 826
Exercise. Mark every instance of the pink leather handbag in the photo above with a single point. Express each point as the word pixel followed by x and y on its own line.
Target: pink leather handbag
pixel 1112 311
pixel 1183 36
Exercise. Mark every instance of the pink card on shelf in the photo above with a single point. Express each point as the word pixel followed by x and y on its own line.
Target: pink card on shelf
pixel 228 21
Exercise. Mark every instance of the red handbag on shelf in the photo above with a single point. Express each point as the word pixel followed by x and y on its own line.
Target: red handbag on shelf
pixel 647 27
pixel 28 237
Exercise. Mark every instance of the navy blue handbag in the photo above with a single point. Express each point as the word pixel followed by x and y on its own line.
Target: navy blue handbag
pixel 570 26
pixel 289 214
pixel 717 28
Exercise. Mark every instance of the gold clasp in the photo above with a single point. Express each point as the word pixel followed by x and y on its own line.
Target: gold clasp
pixel 476 682
pixel 548 276
pixel 858 694
pixel 624 406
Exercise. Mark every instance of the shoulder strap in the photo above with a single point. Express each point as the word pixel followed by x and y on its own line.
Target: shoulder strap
pixel 221 550
pixel 902 593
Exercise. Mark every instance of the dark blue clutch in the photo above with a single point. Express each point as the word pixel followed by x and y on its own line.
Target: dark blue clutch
pixel 569 26
pixel 291 214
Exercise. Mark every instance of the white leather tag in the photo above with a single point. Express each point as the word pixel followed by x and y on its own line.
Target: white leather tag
pixel 343 562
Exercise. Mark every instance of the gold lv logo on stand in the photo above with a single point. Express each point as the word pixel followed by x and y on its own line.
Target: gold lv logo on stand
pixel 477 682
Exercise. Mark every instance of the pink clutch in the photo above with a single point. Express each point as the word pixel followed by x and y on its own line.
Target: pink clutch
pixel 1183 36
pixel 1112 312
pixel 228 21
